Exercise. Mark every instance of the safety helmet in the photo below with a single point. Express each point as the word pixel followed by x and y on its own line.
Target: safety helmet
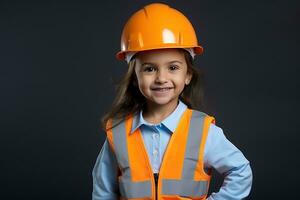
pixel 157 26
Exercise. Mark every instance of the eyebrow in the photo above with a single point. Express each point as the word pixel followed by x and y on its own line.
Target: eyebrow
pixel 173 61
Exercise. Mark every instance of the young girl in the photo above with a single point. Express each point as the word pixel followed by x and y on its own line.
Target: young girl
pixel 159 145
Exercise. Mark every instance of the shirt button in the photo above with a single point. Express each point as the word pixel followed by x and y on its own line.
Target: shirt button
pixel 155 152
pixel 155 136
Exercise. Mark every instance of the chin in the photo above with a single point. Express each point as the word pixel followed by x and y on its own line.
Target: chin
pixel 162 101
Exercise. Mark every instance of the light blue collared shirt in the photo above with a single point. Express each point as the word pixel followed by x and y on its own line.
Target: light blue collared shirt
pixel 219 153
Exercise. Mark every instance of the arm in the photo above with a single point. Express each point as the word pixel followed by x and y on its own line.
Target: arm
pixel 229 161
pixel 105 174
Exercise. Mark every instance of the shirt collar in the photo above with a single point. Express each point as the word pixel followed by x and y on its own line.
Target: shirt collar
pixel 170 122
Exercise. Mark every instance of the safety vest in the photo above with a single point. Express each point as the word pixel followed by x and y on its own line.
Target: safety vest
pixel 181 175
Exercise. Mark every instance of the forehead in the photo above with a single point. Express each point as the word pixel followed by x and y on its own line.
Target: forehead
pixel 160 56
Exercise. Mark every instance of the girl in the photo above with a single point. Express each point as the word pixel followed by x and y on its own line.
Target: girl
pixel 159 145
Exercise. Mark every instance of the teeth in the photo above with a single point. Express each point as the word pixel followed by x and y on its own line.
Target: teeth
pixel 162 89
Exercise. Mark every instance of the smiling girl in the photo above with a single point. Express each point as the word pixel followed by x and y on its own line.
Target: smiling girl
pixel 159 144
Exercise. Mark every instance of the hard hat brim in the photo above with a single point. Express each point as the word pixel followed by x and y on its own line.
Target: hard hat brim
pixel 197 50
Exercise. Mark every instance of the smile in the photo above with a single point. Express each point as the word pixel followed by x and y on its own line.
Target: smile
pixel 162 89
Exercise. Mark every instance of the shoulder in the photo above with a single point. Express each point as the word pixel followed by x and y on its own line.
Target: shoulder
pixel 203 115
pixel 217 138
pixel 215 131
pixel 198 113
pixel 117 121
pixel 215 128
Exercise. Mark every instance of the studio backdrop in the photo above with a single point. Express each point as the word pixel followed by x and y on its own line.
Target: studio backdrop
pixel 58 70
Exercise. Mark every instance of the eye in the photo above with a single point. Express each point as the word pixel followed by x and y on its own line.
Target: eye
pixel 149 69
pixel 173 67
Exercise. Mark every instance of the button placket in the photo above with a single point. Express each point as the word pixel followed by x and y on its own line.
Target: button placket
pixel 155 151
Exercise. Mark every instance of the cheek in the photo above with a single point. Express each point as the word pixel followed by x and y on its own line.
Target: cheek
pixel 180 81
pixel 143 82
pixel 146 79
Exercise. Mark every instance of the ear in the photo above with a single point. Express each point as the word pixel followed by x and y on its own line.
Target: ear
pixel 188 78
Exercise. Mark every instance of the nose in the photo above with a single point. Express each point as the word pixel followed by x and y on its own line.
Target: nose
pixel 161 77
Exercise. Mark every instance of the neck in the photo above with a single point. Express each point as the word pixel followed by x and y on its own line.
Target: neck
pixel 155 113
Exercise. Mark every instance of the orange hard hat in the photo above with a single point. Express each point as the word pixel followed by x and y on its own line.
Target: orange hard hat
pixel 157 26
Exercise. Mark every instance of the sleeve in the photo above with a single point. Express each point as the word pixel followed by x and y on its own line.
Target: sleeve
pixel 105 175
pixel 229 161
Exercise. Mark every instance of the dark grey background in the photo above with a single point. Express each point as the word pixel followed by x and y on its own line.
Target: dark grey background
pixel 57 70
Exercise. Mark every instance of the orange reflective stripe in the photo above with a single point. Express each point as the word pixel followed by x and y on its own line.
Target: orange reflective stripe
pixel 137 154
pixel 172 164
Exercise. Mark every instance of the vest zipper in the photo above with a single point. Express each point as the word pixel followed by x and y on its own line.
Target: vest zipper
pixel 156 183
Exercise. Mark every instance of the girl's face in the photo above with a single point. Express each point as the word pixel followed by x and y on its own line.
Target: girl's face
pixel 162 75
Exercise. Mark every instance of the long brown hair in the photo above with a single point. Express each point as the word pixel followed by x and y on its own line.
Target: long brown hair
pixel 130 100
